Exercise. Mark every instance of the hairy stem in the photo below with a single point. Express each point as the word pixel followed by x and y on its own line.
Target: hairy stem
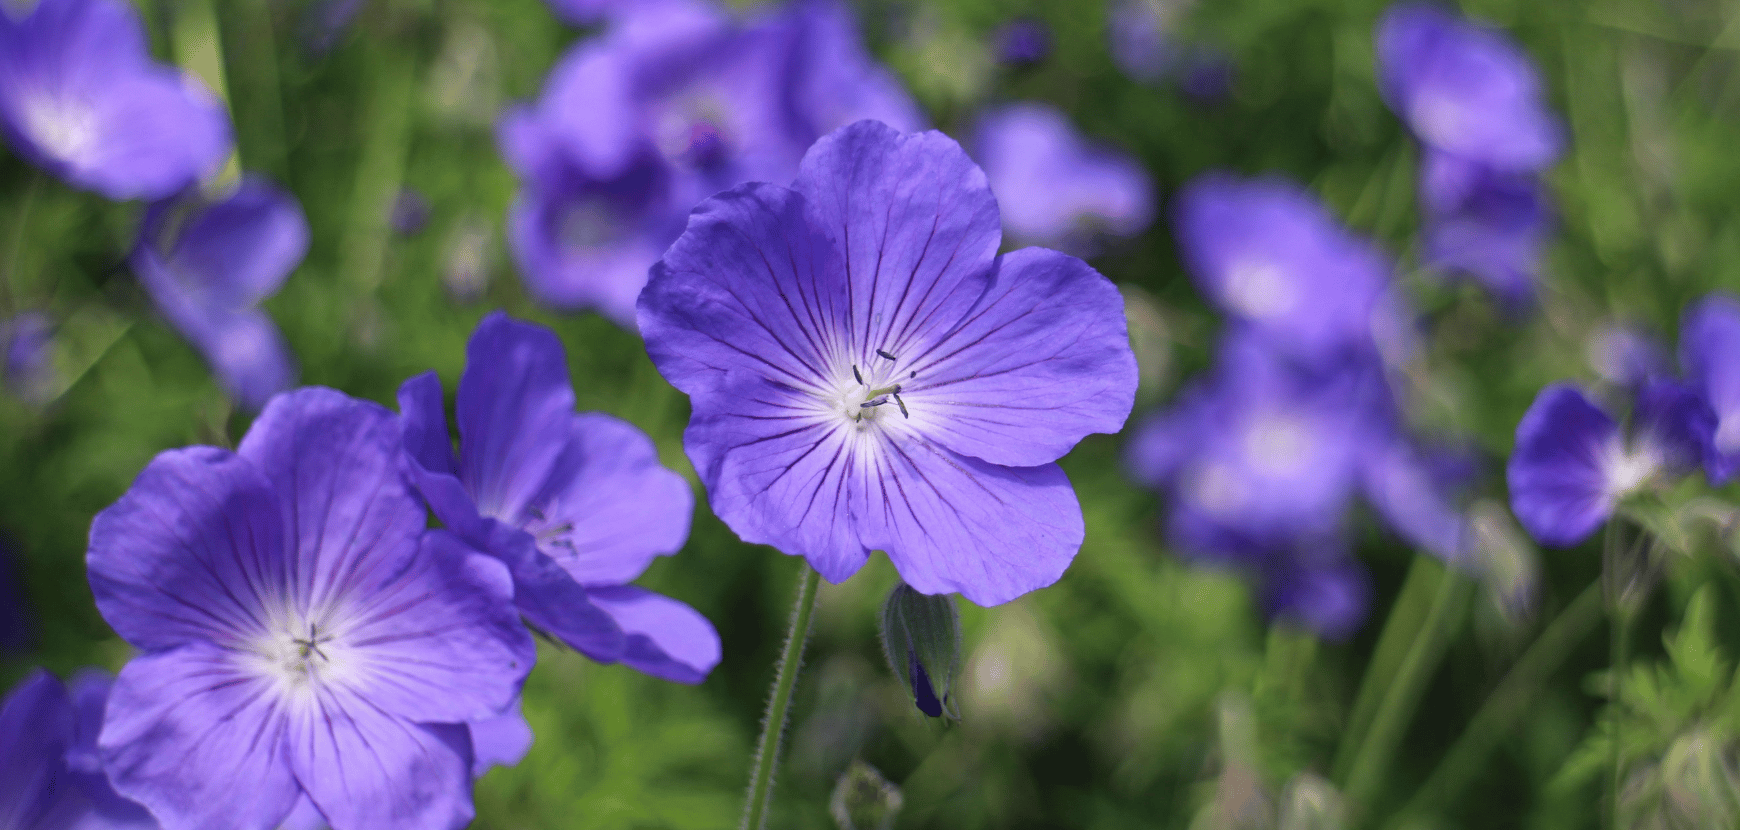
pixel 779 703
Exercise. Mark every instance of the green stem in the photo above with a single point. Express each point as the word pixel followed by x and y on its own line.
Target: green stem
pixel 198 44
pixel 779 703
pixel 1392 646
pixel 1395 710
pixel 380 168
pixel 1508 701
pixel 1619 646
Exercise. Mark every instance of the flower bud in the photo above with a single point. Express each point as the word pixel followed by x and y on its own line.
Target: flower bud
pixel 921 635
pixel 864 800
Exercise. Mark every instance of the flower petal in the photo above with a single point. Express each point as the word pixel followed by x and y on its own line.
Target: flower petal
pixel 665 638
pixel 513 406
pixel 500 741
pixel 429 461
pixel 1056 188
pixel 198 742
pixel 188 552
pixel 363 768
pixel 1558 487
pixel 1710 356
pixel 609 507
pixel 242 247
pixel 437 639
pixel 36 728
pixel 916 223
pixel 1042 361
pixel 955 524
pixel 749 289
pixel 551 601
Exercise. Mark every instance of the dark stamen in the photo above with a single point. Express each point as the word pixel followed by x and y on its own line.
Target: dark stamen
pixel 877 402
pixel 902 405
pixel 912 374
pixel 887 355
pixel 856 376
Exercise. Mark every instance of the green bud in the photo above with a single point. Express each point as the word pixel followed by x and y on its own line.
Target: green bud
pixel 864 800
pixel 921 635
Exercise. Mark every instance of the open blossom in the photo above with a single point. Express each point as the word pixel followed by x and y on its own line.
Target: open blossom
pixel 208 265
pixel 81 98
pixel 1710 357
pixel 1572 463
pixel 302 632
pixel 866 373
pixel 1053 186
pixel 675 102
pixel 576 504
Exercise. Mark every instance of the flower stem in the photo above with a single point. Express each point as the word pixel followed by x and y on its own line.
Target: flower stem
pixel 1392 645
pixel 779 703
pixel 1507 703
pixel 1402 694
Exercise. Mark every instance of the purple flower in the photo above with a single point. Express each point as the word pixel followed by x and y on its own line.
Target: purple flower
pixel 1484 222
pixel 81 98
pixel 27 355
pixel 1268 253
pixel 50 776
pixel 1055 188
pixel 1572 463
pixel 1023 41
pixel 674 103
pixel 208 265
pixel 576 504
pixel 1465 89
pixel 1329 597
pixel 866 373
pixel 1710 357
pixel 302 632
pixel 1627 357
pixel 1140 35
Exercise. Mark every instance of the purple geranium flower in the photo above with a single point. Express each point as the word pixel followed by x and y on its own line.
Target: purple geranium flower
pixel 1267 252
pixel 674 103
pixel 866 373
pixel 50 775
pixel 208 265
pixel 1485 222
pixel 81 98
pixel 575 503
pixel 1710 357
pixel 1572 463
pixel 1627 356
pixel 1465 89
pixel 303 632
pixel 1053 186
pixel 1022 41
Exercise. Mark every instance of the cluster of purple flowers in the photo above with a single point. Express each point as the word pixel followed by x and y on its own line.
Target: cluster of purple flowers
pixel 1473 100
pixel 1263 456
pixel 81 98
pixel 1574 464
pixel 311 651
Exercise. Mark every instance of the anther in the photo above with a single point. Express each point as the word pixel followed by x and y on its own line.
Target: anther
pixel 877 402
pixel 856 376
pixel 887 355
pixel 912 374
pixel 902 404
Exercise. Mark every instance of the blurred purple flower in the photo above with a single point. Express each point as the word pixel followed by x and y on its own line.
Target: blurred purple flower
pixel 301 630
pixel 1023 41
pixel 208 265
pixel 1710 357
pixel 27 355
pixel 867 374
pixel 1267 252
pixel 1329 596
pixel 674 103
pixel 81 98
pixel 1140 35
pixel 50 775
pixel 1465 89
pixel 576 504
pixel 1485 222
pixel 1052 186
pixel 1572 463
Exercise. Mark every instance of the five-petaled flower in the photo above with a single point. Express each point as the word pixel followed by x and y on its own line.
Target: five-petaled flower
pixel 867 373
pixel 576 504
pixel 303 632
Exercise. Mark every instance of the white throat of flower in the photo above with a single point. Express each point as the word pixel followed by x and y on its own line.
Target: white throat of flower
pixel 63 126
pixel 301 653
pixel 1625 469
pixel 867 395
pixel 1260 290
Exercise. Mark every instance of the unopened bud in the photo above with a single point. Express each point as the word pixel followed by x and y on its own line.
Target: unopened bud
pixel 864 800
pixel 921 635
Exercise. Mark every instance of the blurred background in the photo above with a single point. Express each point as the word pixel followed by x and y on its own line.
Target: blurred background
pixel 1145 689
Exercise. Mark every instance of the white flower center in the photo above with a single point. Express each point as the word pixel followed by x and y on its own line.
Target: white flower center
pixel 1438 118
pixel 1624 470
pixel 1259 290
pixel 1728 434
pixel 300 653
pixel 64 127
pixel 1217 489
pixel 868 394
pixel 1278 444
